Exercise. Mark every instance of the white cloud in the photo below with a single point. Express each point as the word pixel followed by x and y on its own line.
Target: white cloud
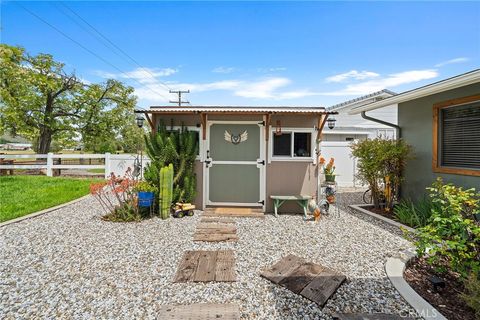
pixel 274 69
pixel 142 75
pixel 224 70
pixel 352 74
pixel 266 88
pixel 451 61
pixel 390 81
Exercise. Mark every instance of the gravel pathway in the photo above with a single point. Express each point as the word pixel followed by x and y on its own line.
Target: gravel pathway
pixel 70 264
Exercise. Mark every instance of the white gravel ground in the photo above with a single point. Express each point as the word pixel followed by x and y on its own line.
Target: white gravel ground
pixel 70 264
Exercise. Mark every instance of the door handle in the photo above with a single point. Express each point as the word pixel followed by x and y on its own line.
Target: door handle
pixel 261 162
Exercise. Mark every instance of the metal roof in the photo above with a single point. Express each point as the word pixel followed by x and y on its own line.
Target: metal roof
pixel 379 94
pixel 236 109
pixel 458 81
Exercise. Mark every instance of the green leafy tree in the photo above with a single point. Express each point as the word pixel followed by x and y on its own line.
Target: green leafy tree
pixel 44 103
pixel 178 148
pixel 381 161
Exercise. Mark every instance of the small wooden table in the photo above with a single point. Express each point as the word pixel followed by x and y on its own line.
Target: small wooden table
pixel 300 199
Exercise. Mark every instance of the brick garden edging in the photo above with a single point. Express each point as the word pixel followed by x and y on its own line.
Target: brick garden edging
pixel 41 212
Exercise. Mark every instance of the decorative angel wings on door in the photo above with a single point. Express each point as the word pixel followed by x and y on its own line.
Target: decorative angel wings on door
pixel 236 139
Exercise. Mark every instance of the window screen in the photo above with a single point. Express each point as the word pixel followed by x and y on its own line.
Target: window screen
pixel 282 144
pixel 460 136
pixel 301 144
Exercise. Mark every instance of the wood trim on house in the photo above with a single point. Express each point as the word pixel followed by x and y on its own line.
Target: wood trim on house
pixel 436 167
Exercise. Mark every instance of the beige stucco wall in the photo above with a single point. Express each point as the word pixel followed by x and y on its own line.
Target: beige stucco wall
pixel 290 178
pixel 282 177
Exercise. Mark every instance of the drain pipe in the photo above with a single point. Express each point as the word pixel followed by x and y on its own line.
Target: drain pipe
pixel 397 128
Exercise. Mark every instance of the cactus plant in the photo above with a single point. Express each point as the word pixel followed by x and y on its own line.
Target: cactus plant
pixel 166 190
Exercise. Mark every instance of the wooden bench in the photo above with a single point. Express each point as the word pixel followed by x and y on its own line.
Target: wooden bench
pixel 300 199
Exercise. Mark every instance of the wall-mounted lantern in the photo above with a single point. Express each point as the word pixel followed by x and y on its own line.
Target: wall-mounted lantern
pixel 331 122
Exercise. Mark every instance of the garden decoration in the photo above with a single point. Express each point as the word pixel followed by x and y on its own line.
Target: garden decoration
pixel 179 210
pixel 328 169
pixel 319 209
pixel 166 190
pixel 330 194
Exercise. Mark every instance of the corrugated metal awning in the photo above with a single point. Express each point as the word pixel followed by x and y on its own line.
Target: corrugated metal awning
pixel 237 109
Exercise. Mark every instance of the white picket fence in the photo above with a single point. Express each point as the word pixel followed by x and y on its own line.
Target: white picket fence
pixel 116 163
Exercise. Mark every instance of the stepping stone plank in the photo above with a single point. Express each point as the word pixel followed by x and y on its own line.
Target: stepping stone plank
pixel 216 220
pixel 200 311
pixel 207 237
pixel 308 279
pixel 205 266
pixel 187 266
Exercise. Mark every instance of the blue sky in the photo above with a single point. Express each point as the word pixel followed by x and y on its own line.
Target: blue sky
pixel 250 53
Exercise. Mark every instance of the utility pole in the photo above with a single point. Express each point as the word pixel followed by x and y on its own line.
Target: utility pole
pixel 179 92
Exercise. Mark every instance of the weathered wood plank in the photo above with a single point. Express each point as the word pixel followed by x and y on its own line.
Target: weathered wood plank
pixel 301 276
pixel 323 286
pixel 200 311
pixel 214 225
pixel 231 230
pixel 206 267
pixel 225 267
pixel 216 220
pixel 283 268
pixel 214 237
pixel 186 268
pixel 366 316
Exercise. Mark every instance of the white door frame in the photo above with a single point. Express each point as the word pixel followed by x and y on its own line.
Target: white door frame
pixel 258 163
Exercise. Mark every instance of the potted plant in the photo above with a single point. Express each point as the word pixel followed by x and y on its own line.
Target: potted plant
pixel 330 194
pixel 145 194
pixel 328 169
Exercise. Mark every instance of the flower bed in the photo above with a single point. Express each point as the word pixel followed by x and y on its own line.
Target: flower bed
pixel 446 300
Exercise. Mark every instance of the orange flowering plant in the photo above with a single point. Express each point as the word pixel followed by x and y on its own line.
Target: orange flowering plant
pixel 329 168
pixel 118 197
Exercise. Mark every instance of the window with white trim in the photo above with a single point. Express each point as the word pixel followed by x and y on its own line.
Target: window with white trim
pixel 292 145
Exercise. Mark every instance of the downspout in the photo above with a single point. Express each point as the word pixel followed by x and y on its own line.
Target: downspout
pixel 388 124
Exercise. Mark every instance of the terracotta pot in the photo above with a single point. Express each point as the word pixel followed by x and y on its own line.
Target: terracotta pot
pixel 331 199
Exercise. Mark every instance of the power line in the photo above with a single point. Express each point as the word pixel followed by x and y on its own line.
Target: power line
pixel 113 44
pixel 86 49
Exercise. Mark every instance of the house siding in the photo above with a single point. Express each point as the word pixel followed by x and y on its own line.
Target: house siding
pixel 415 118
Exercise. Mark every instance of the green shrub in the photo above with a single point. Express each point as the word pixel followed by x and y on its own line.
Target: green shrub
pixel 144 186
pixel 380 162
pixel 452 237
pixel 472 295
pixel 415 214
pixel 124 213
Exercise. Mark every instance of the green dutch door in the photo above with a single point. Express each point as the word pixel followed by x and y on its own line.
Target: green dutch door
pixel 233 176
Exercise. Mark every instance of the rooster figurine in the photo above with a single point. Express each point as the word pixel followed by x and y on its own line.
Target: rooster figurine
pixel 318 209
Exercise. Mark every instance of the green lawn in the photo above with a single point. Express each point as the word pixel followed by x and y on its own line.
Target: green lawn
pixel 21 195
pixel 96 170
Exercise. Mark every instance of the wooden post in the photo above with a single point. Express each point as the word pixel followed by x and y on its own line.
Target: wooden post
pixel 268 118
pixel 203 117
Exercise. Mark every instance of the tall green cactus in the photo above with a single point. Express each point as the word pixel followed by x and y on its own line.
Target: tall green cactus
pixel 166 190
